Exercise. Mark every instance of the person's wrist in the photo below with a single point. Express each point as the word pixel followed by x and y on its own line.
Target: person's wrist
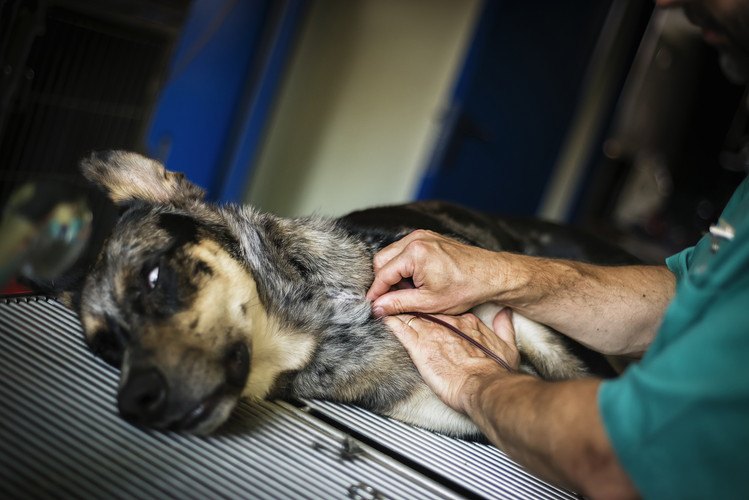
pixel 509 278
pixel 475 390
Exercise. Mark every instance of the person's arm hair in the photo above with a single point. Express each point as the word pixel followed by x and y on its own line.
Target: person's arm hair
pixel 614 310
pixel 554 429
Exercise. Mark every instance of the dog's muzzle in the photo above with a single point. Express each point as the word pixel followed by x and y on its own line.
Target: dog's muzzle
pixel 149 398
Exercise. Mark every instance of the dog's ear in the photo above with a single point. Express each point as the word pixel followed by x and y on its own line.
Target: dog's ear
pixel 128 177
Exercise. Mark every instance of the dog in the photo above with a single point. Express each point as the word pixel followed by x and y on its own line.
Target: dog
pixel 200 305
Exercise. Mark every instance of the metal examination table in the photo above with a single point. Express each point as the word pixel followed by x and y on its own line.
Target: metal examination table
pixel 61 437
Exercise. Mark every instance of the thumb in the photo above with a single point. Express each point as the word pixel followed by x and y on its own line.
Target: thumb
pixel 401 330
pixel 399 302
pixel 503 327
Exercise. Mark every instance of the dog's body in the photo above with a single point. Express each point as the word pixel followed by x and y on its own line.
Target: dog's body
pixel 203 304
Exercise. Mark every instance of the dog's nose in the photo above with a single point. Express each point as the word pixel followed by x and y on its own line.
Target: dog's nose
pixel 142 400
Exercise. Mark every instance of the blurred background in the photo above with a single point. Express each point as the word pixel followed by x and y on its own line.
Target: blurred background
pixel 605 114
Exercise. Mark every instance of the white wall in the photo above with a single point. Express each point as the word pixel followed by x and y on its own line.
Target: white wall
pixel 358 114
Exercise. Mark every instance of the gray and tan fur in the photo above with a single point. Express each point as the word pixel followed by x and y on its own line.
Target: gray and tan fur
pixel 201 305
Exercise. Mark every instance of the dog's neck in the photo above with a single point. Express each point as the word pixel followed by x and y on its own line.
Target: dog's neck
pixel 309 271
pixel 312 276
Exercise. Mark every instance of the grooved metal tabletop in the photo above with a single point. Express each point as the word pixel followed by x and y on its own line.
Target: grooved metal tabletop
pixel 61 437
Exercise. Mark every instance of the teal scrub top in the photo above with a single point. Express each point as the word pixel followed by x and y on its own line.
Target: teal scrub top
pixel 679 419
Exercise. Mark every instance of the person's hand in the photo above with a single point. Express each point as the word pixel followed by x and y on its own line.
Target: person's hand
pixel 447 276
pixel 451 366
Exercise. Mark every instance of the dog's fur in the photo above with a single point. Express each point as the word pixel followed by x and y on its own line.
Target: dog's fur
pixel 202 304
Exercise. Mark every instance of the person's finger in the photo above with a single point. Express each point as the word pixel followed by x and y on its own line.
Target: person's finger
pixel 391 251
pixel 467 321
pixel 402 301
pixel 388 253
pixel 392 273
pixel 403 331
pixel 502 326
pixel 472 326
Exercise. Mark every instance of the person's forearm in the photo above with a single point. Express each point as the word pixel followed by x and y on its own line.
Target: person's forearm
pixel 554 429
pixel 614 310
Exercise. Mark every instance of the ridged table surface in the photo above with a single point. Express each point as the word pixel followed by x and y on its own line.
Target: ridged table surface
pixel 61 437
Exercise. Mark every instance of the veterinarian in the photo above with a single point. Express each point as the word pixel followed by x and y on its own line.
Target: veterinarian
pixel 675 425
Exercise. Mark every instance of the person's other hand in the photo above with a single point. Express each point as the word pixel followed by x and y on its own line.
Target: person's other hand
pixel 446 276
pixel 452 367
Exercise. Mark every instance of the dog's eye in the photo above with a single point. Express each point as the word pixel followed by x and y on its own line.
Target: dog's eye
pixel 153 277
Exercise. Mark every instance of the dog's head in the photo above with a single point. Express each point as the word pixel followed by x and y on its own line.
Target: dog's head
pixel 169 301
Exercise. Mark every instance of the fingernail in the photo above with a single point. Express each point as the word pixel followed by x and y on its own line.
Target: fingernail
pixel 378 311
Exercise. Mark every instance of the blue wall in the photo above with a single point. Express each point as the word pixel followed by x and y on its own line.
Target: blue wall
pixel 213 109
pixel 513 103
